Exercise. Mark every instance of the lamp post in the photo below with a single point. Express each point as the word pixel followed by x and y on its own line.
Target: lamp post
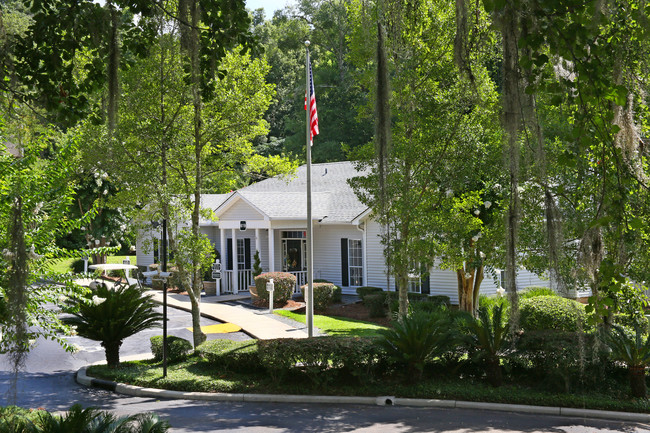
pixel 163 276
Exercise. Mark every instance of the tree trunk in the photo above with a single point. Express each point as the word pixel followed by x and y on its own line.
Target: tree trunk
pixel 112 350
pixel 637 381
pixel 493 372
pixel 465 290
pixel 197 282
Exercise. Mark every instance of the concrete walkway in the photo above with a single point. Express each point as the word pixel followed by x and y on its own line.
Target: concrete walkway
pixel 257 323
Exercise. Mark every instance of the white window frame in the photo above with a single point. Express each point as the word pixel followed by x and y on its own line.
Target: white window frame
pixel 359 279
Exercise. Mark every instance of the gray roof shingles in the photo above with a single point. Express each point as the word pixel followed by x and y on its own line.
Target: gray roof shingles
pixel 285 198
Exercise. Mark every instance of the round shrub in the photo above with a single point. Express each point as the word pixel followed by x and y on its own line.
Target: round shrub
pixel 177 347
pixel 77 266
pixel 551 312
pixel 284 283
pixel 238 356
pixel 323 295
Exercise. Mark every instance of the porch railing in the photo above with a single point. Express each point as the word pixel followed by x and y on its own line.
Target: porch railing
pixel 301 280
pixel 245 279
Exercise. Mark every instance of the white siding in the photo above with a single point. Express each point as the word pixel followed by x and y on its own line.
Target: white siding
pixel 375 260
pixel 526 278
pixel 327 251
pixel 241 211
pixel 144 253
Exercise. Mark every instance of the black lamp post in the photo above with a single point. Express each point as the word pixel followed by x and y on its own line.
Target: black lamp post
pixel 164 280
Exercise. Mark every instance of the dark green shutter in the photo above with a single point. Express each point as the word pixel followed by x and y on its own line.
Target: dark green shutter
pixel 247 253
pixel 229 255
pixel 345 273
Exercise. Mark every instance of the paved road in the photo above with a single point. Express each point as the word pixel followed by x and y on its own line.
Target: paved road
pixel 48 382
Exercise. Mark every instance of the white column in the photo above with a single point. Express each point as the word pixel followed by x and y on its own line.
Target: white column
pixel 364 251
pixel 271 250
pixel 222 254
pixel 235 265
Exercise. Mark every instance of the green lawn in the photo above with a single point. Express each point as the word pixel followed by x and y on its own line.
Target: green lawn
pixel 338 326
pixel 63 265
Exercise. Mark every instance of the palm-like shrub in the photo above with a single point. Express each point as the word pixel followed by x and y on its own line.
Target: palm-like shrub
pixel 632 350
pixel 109 316
pixel 488 337
pixel 91 420
pixel 417 338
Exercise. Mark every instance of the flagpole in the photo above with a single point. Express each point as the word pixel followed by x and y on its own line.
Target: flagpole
pixel 310 250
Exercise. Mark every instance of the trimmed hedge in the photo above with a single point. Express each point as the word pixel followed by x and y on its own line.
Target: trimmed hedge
pixel 551 312
pixel 392 300
pixel 320 359
pixel 237 356
pixel 560 359
pixel 336 295
pixel 323 295
pixel 367 290
pixel 376 303
pixel 284 283
pixel 177 347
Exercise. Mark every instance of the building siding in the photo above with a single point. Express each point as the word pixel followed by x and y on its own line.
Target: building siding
pixel 241 211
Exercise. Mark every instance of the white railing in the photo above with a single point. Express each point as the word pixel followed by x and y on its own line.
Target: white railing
pixel 245 279
pixel 301 280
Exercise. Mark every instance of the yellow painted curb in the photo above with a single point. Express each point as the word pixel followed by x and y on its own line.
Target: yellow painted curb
pixel 222 328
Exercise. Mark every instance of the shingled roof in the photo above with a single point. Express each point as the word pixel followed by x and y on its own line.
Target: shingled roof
pixel 333 200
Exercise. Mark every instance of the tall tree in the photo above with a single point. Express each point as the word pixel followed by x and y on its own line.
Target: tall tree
pixel 435 198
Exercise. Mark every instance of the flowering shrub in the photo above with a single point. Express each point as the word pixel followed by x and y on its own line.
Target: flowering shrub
pixel 284 284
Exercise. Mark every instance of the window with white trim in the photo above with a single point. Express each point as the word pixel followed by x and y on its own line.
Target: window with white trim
pixel 241 254
pixel 355 262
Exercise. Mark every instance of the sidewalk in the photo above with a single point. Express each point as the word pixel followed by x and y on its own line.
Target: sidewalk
pixel 257 324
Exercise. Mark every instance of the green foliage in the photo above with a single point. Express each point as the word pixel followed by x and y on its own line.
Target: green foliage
pixel 534 291
pixel 111 315
pixel 177 348
pixel 415 339
pixel 238 356
pixel 629 347
pixel 284 284
pixel 560 359
pixel 257 264
pixel 92 420
pixel 488 339
pixel 320 359
pixel 376 303
pixel 337 294
pixel 552 312
pixel 323 295
pixel 367 290
pixel 77 266
pixel 490 301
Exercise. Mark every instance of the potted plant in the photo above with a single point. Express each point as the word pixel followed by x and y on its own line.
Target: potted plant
pixel 257 270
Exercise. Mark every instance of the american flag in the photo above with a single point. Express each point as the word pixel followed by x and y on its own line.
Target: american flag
pixel 313 115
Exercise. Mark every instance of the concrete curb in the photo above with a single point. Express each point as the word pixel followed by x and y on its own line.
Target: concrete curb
pixel 136 391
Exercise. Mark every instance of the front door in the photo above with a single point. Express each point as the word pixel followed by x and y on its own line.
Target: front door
pixel 292 255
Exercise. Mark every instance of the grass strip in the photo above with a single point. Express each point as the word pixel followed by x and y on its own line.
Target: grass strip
pixel 337 326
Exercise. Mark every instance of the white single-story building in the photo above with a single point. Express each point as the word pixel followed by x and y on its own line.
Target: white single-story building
pixel 270 216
